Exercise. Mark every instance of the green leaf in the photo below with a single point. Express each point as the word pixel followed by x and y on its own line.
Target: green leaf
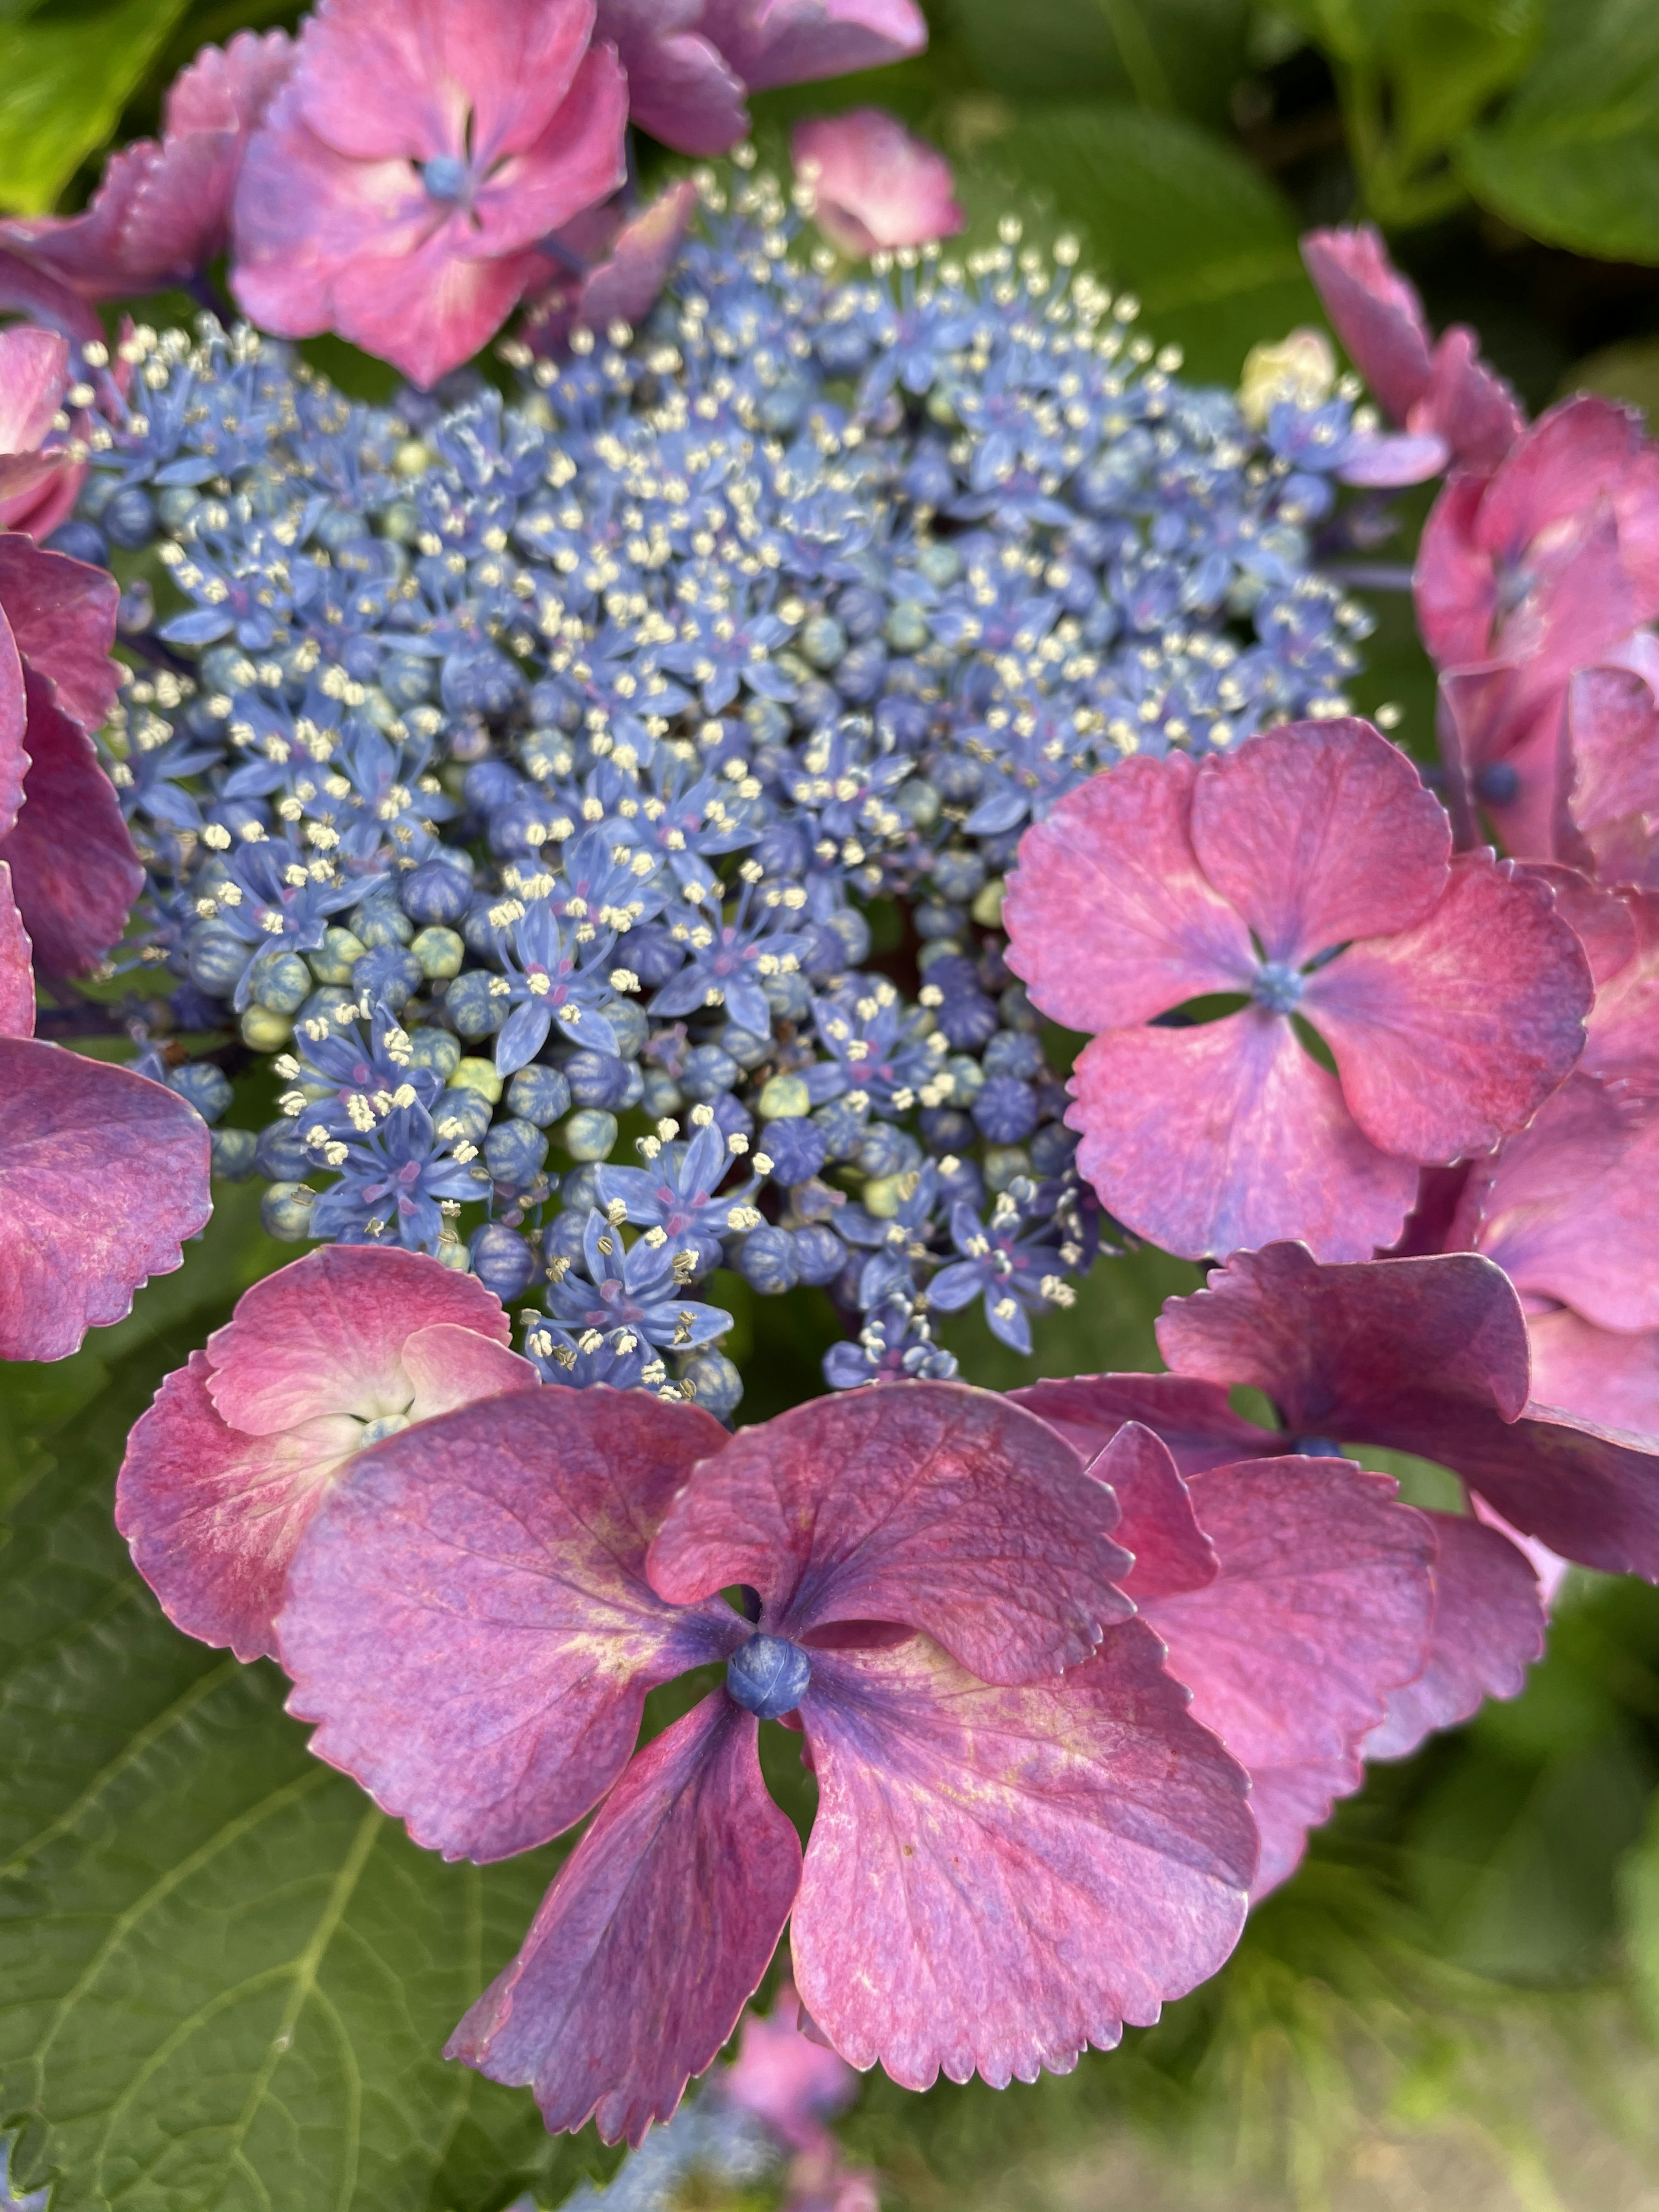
pixel 1169 211
pixel 1170 54
pixel 1574 158
pixel 225 1979
pixel 1449 59
pixel 1638 1902
pixel 66 72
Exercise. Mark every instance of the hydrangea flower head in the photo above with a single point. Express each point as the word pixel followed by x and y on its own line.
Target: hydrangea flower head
pixel 398 185
pixel 874 184
pixel 226 1469
pixel 934 1581
pixel 105 1173
pixel 1312 870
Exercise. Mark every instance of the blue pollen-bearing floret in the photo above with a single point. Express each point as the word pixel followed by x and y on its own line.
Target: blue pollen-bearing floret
pixel 596 801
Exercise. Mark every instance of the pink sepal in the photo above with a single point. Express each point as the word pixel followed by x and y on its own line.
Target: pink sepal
pixel 681 87
pixel 1155 1521
pixel 73 866
pixel 469 1617
pixel 776 42
pixel 874 184
pixel 1488 1629
pixel 16 966
pixel 1192 1418
pixel 1322 1606
pixel 1588 1374
pixel 1108 1836
pixel 664 1918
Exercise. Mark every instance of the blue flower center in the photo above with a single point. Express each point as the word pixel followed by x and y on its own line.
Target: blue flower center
pixel 1497 784
pixel 1316 1448
pixel 1277 987
pixel 769 1677
pixel 445 176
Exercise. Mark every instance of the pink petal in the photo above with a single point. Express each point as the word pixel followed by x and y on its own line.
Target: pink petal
pixel 1490 713
pixel 1488 1629
pixel 1453 584
pixel 680 86
pixel 1322 1606
pixel 1613 724
pixel 327 1334
pixel 73 867
pixel 14 724
pixel 1605 926
pixel 87 250
pixel 16 966
pixel 1451 1034
pixel 873 184
pixel 1570 1207
pixel 1427 1356
pixel 1584 449
pixel 428 312
pixel 1473 409
pixel 774 42
pixel 998 1878
pixel 627 283
pixel 215 1516
pixel 371 82
pixel 1192 1418
pixel 451 1366
pixel 578 160
pixel 1318 832
pixel 41 297
pixel 929 1503
pixel 1375 311
pixel 1588 1374
pixel 229 88
pixel 1205 1139
pixel 653 1938
pixel 1110 918
pixel 33 376
pixel 1389 463
pixel 105 1175
pixel 62 613
pixel 469 1617
pixel 783 2078
pixel 1155 1520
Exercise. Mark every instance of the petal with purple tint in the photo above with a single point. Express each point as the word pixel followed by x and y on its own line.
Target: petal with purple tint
pixel 681 87
pixel 1155 1519
pixel 1375 311
pixel 1387 464
pixel 1570 1207
pixel 16 966
pixel 1622 1045
pixel 62 613
pixel 14 725
pixel 103 1174
pixel 1192 1418
pixel 653 1938
pixel 1591 1375
pixel 1468 405
pixel 578 160
pixel 627 283
pixel 1205 1139
pixel 1427 1356
pixel 1322 1606
pixel 34 375
pixel 776 42
pixel 1453 586
pixel 1604 923
pixel 873 184
pixel 999 1878
pixel 326 1334
pixel 469 1617
pixel 1318 832
pixel 73 870
pixel 1112 867
pixel 451 1366
pixel 1488 1629
pixel 215 1516
pixel 931 1504
pixel 1451 1034
pixel 1612 723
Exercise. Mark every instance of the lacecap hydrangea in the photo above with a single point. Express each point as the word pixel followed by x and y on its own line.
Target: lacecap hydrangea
pixel 597 798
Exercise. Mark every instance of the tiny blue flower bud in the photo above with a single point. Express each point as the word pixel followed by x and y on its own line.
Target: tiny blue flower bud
pixel 796 1149
pixel 475 1010
pixel 437 1049
pixel 285 1210
pixel 281 982
pixel 503 1260
pixel 390 972
pixel 1277 987
pixel 82 541
pixel 1006 1109
pixel 766 1259
pixel 708 1072
pixel 207 1087
pixel 590 1134
pixel 599 1079
pixel 467 1109
pixel 769 1677
pixel 281 1153
pixel 514 1152
pixel 820 1255
pixel 1316 1448
pixel 716 1384
pixel 128 517
pixel 233 1154
pixel 436 891
pixel 538 1094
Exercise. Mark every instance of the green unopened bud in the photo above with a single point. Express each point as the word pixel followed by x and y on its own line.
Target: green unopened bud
pixel 987 908
pixel 285 1210
pixel 264 1030
pixel 785 1098
pixel 282 983
pixel 335 956
pixel 479 1075
pixel 437 1049
pixel 590 1134
pixel 1005 1164
pixel 440 952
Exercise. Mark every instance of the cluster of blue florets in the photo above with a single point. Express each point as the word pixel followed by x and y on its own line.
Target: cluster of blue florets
pixel 627 770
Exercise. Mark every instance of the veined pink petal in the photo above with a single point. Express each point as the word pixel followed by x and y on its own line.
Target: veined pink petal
pixel 1473 409
pixel 1605 925
pixel 774 42
pixel 1375 311
pixel 1450 1035
pixel 469 1617
pixel 327 1335
pixel 429 311
pixel 1488 1629
pixel 1155 1519
pixel 873 184
pixel 14 723
pixel 1323 1605
pixel 1452 585
pixel 1427 1356
pixel 664 1918
pixel 16 966
pixel 1612 724
pixel 1581 448
pixel 1592 1374
pixel 451 1366
pixel 681 87
pixel 1622 1043
pixel 61 614
pixel 33 375
pixel 73 870
pixel 228 88
pixel 637 256
pixel 215 1516
pixel 934 1504
pixel 103 1174
pixel 1318 832
pixel 1110 917
pixel 1205 1139
pixel 999 1878
pixel 1192 1418
pixel 577 161
pixel 1570 1207
pixel 1490 715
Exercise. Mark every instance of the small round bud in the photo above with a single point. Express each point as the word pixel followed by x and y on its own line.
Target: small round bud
pixel 234 1153
pixel 715 1382
pixel 337 954
pixel 285 1210
pixel 538 1094
pixel 766 1259
pixel 480 1075
pixel 590 1134
pixel 439 952
pixel 503 1260
pixel 264 1030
